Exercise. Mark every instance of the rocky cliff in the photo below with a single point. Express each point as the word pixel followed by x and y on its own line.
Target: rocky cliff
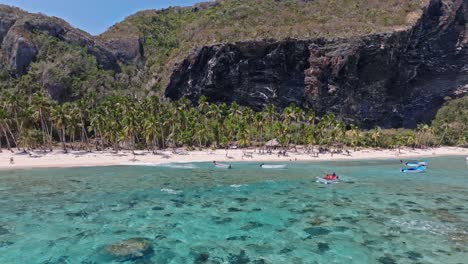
pixel 387 63
pixel 19 48
pixel 390 79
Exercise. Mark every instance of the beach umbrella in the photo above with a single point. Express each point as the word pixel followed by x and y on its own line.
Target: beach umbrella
pixel 272 143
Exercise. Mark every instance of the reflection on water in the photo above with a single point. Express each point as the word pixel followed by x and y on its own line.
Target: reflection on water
pixel 193 213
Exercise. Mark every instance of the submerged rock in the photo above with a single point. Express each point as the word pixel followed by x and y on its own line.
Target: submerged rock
pixel 316 221
pixel 240 258
pixel 317 231
pixel 5 244
pixel 323 247
pixel 222 221
pixel 387 260
pixel 251 225
pixel 443 215
pixel 130 248
pixel 240 238
pixel 460 237
pixel 3 231
pixel 202 258
pixel 241 200
pixel 414 255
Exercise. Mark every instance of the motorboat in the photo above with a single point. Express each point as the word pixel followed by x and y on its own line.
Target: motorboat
pixel 328 179
pixel 416 163
pixel 222 165
pixel 273 166
pixel 418 169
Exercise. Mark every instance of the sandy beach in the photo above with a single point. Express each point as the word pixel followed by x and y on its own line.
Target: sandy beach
pixel 58 159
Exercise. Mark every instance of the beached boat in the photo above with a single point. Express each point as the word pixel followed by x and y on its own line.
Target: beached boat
pixel 414 169
pixel 222 166
pixel 275 166
pixel 416 163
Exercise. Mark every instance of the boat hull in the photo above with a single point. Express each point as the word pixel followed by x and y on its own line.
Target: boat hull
pixel 324 181
pixel 419 169
pixel 273 166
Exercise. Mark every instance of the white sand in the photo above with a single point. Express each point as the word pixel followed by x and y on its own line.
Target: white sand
pixel 83 159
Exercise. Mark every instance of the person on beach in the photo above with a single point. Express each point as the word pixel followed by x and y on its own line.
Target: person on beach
pixel 12 161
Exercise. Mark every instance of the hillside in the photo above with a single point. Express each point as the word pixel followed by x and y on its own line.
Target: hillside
pixel 167 36
pixel 362 60
pixel 46 53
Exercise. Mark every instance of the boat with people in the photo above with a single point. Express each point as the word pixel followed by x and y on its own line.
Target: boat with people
pixel 273 166
pixel 222 165
pixel 418 169
pixel 328 179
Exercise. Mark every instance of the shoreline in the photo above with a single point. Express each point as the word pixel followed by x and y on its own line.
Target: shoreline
pixel 74 159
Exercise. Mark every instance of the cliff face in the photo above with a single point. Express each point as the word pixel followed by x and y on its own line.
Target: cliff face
pixel 392 79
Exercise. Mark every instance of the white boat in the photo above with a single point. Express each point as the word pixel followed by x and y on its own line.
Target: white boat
pixel 222 166
pixel 416 163
pixel 273 166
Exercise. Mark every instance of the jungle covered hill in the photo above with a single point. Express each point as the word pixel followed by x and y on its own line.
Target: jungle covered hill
pixel 372 63
pixel 140 52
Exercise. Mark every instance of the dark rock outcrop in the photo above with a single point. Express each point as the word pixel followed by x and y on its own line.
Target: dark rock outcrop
pixel 18 52
pixel 391 79
pixel 249 73
pixel 125 49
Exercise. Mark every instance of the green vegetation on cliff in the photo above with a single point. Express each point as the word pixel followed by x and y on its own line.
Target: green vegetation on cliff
pixel 451 122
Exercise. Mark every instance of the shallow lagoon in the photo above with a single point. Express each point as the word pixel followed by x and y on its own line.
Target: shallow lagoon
pixel 194 213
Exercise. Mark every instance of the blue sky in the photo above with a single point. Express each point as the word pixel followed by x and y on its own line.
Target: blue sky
pixel 93 16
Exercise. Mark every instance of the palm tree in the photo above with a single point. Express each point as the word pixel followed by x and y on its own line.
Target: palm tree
pixel 376 135
pixel 97 124
pixel 16 105
pixel 60 118
pixel 270 117
pixel 355 136
pixel 4 127
pixel 81 109
pixel 259 123
pixel 215 114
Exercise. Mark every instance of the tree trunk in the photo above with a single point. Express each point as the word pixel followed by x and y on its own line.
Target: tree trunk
pixel 6 137
pixel 64 146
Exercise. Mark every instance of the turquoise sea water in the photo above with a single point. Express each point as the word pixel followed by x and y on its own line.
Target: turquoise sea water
pixel 194 213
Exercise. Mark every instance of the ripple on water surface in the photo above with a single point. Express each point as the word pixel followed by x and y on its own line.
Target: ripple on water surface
pixel 193 213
